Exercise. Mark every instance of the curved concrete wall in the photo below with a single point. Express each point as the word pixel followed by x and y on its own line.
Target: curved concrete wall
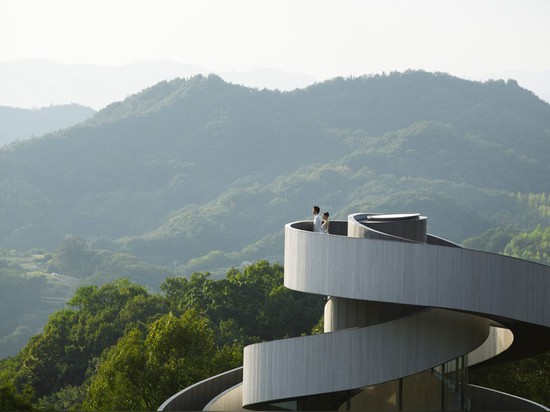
pixel 404 307
pixel 378 264
pixel 229 400
pixel 358 357
pixel 398 227
pixel 417 274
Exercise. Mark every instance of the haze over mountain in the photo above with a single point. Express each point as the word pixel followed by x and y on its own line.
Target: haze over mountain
pixel 37 83
pixel 200 173
pixel 18 124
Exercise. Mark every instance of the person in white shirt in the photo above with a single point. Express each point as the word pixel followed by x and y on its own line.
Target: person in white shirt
pixel 317 222
pixel 324 226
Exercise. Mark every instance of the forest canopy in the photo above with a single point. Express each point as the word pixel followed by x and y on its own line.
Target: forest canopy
pixel 120 347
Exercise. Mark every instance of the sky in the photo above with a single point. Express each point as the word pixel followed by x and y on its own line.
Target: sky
pixel 321 38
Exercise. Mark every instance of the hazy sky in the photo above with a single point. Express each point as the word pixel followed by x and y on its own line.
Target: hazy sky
pixel 318 37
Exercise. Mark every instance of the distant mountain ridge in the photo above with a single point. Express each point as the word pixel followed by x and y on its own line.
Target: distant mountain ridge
pixel 37 83
pixel 44 82
pixel 199 172
pixel 17 123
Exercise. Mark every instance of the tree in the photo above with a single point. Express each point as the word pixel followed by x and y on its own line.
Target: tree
pixel 118 347
pixel 45 361
pixel 10 400
pixel 249 305
pixel 147 366
pixel 534 245
pixel 118 383
pixel 74 257
pixel 72 338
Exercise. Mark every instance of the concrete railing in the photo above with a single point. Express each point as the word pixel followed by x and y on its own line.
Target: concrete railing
pixel 197 396
pixel 485 399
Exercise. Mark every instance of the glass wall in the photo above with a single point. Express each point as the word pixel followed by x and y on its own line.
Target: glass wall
pixel 439 389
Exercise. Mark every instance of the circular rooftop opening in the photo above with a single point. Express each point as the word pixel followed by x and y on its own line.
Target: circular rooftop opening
pixel 395 216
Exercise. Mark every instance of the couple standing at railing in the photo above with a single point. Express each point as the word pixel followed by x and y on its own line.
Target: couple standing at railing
pixel 320 225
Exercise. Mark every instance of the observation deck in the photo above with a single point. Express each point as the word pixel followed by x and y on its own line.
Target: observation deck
pixel 407 314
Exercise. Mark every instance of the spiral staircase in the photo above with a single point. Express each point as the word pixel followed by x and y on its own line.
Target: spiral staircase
pixel 407 313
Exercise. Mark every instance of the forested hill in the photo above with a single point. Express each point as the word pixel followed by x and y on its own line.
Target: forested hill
pixel 200 172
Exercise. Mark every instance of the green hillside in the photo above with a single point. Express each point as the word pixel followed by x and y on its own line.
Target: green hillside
pixel 199 175
pixel 192 166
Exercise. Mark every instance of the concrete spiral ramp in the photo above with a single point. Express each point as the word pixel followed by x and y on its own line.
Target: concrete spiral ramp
pixel 401 303
pixel 406 314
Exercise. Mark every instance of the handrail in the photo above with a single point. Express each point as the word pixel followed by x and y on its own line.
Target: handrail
pixel 198 395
